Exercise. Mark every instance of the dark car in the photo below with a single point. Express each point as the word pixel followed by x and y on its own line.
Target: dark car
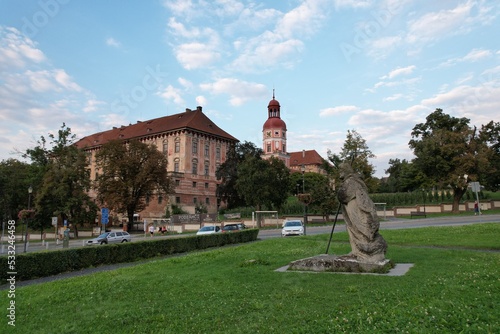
pixel 231 228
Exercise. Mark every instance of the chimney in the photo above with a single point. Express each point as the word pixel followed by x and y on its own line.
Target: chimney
pixel 198 108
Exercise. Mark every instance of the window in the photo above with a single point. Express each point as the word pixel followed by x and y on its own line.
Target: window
pixel 206 168
pixel 195 146
pixel 176 165
pixel 165 147
pixel 195 167
pixel 160 199
pixel 194 184
pixel 177 145
pixel 147 198
pixel 177 183
pixel 177 200
pixel 207 201
pixel 206 185
pixel 195 200
pixel 268 148
pixel 217 153
pixel 207 150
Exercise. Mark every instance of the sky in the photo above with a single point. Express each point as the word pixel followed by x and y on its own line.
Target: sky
pixel 376 67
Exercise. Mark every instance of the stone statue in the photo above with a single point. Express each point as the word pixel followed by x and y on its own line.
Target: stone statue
pixel 360 217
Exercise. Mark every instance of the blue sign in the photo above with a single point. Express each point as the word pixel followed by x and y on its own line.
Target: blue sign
pixel 104 216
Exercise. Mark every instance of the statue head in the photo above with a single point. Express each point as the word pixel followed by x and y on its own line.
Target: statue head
pixel 345 170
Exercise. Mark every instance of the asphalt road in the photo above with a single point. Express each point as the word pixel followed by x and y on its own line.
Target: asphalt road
pixel 395 224
pixel 276 232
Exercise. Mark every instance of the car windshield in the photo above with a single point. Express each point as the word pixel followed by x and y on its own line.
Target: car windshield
pixel 293 223
pixel 207 228
pixel 104 235
pixel 230 227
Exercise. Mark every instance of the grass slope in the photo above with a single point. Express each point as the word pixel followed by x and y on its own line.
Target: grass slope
pixel 236 290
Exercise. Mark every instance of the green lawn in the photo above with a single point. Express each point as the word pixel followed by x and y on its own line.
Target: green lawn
pixel 450 289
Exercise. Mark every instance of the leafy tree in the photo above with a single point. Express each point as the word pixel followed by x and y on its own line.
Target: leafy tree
pixel 228 173
pixel 490 172
pixel 129 172
pixel 447 148
pixel 63 190
pixel 403 177
pixel 261 182
pixel 15 179
pixel 356 151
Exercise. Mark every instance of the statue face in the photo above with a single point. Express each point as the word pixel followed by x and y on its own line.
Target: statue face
pixel 345 170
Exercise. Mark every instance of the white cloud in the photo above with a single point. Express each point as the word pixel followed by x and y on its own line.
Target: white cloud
pixel 393 97
pixel 113 42
pixel 201 101
pixel 170 93
pixel 238 90
pixel 185 83
pixel 352 3
pixel 199 47
pixel 93 105
pixel 400 71
pixel 473 56
pixel 304 19
pixel 16 50
pixel 337 110
pixel 435 25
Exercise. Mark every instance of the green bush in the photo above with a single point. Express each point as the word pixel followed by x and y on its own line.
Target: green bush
pixel 47 263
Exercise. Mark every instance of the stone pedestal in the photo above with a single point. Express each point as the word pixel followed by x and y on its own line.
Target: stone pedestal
pixel 342 263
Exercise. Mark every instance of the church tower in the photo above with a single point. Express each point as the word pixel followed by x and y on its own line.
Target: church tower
pixel 274 134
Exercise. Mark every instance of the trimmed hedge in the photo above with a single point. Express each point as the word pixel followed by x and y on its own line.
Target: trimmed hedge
pixel 47 263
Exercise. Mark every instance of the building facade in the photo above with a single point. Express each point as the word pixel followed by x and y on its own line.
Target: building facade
pixel 194 146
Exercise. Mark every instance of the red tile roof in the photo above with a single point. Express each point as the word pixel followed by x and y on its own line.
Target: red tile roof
pixel 194 120
pixel 310 157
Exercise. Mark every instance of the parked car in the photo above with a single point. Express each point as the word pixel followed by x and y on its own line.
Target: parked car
pixel 292 227
pixel 208 230
pixel 110 238
pixel 231 228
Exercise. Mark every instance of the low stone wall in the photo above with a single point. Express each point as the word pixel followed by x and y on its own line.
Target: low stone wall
pixel 443 208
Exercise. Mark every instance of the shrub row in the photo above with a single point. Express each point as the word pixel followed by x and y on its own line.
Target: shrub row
pixel 47 263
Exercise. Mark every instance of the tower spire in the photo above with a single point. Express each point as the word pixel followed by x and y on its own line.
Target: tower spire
pixel 273 93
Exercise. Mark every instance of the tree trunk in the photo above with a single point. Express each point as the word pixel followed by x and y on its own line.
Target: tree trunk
pixel 457 196
pixel 130 215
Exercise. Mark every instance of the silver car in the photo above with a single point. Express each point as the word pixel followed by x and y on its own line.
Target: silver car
pixel 292 227
pixel 110 238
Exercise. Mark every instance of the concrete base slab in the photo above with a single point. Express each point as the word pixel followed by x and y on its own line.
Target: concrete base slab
pixel 345 265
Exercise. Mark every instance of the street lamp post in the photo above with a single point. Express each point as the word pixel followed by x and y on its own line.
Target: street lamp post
pixel 303 168
pixel 30 190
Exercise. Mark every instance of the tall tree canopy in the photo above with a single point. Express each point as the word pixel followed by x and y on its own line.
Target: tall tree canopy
pixel 128 173
pixel 15 179
pixel 447 149
pixel 228 173
pixel 64 188
pixel 356 151
pixel 263 182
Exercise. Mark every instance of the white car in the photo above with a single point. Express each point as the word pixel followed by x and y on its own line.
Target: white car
pixel 208 230
pixel 110 238
pixel 292 227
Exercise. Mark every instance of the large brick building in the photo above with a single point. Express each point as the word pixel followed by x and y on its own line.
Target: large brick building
pixel 195 147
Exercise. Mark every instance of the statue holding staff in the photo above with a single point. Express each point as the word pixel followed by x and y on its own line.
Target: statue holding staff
pixel 360 217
